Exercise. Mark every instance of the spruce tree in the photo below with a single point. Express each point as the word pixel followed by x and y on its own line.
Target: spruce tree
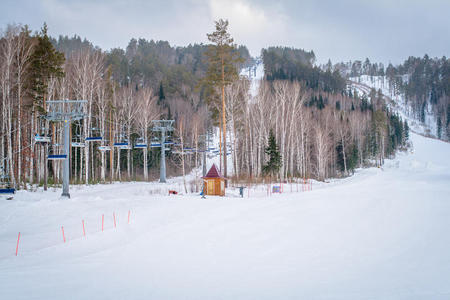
pixel 46 63
pixel 406 131
pixel 439 127
pixel 274 163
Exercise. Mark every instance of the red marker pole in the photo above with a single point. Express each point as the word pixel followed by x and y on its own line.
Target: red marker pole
pixel 128 217
pixel 17 247
pixel 62 229
pixel 84 232
pixel 103 221
pixel 114 215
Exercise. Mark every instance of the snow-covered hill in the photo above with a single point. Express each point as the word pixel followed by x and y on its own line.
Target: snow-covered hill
pixel 396 102
pixel 381 234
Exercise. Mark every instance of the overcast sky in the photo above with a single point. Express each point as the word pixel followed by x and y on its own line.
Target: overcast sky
pixel 383 30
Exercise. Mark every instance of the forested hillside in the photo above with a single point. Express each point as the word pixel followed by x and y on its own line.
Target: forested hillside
pixel 321 129
pixel 423 82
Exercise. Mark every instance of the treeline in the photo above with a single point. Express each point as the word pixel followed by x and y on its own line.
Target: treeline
pixel 318 134
pixel 125 90
pixel 282 63
pixel 321 129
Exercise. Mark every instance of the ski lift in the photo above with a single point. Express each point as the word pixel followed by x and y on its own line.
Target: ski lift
pixel 41 139
pixel 140 144
pixel 78 145
pixel 57 157
pixel 155 145
pixel 104 148
pixel 95 136
pixel 123 146
pixel 123 143
pixel 76 140
pixel 5 185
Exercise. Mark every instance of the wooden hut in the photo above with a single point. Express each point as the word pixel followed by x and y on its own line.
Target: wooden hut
pixel 214 182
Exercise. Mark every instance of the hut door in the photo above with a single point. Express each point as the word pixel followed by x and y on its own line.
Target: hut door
pixel 210 186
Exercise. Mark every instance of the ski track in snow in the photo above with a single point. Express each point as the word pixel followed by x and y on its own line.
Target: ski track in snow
pixel 380 234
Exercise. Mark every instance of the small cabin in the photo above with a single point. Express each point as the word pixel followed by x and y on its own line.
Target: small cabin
pixel 214 182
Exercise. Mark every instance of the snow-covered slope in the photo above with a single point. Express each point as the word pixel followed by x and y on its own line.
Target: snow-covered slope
pixel 381 234
pixel 395 101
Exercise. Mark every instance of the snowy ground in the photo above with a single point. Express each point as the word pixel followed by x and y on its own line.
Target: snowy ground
pixel 381 234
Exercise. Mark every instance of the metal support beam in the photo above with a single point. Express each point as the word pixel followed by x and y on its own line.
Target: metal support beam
pixel 162 171
pixel 162 126
pixel 66 168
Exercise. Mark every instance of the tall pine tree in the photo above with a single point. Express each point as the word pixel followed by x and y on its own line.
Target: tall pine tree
pixel 223 59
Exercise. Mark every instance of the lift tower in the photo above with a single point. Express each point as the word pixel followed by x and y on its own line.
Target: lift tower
pixel 66 111
pixel 163 126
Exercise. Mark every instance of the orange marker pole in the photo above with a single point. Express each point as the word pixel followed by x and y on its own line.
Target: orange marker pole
pixel 103 221
pixel 128 217
pixel 114 215
pixel 84 231
pixel 62 229
pixel 17 247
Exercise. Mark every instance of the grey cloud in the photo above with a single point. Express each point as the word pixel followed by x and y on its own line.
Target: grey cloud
pixel 382 30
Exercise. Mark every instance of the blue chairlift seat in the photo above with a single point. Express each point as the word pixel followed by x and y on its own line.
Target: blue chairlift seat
pixel 104 148
pixel 57 157
pixel 124 146
pixel 154 145
pixel 7 191
pixel 94 139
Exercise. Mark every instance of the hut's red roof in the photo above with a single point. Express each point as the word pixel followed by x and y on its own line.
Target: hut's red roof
pixel 213 172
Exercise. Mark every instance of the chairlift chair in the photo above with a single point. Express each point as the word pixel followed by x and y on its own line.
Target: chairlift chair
pixel 95 136
pixel 140 144
pixel 5 185
pixel 78 145
pixel 57 157
pixel 41 139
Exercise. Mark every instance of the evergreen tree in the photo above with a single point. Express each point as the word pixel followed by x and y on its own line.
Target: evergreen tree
pixel 46 63
pixel 274 163
pixel 162 96
pixel 406 131
pixel 439 127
